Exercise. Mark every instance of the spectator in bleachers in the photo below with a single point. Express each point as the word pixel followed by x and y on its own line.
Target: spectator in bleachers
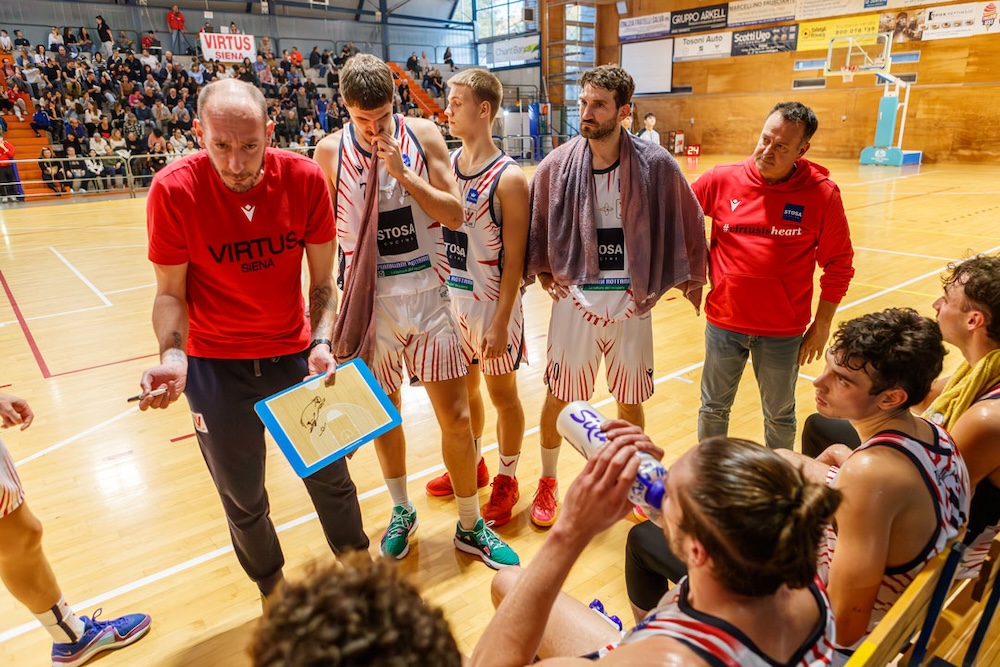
pixel 413 64
pixel 448 60
pixel 156 140
pixel 114 168
pixel 63 57
pixel 70 41
pixel 123 44
pixel 20 40
pixel 76 171
pixel 345 53
pixel 98 143
pixel 41 121
pixel 178 40
pixel 295 56
pixel 178 141
pixel 38 55
pixel 315 58
pixel 11 102
pixel 104 128
pixel 265 48
pixel 6 44
pixel 105 37
pixel 233 30
pixel 95 171
pixel 52 172
pixel 85 42
pixel 150 43
pixel 425 63
pixel 322 104
pixel 149 60
pixel 55 38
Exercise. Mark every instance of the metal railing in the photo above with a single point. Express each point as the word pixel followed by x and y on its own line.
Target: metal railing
pixel 137 172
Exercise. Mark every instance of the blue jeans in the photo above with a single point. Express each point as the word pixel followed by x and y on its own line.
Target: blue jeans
pixel 776 367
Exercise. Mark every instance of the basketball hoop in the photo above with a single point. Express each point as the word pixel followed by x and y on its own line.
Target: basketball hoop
pixel 848 72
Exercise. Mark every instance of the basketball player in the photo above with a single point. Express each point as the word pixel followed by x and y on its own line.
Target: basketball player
pixel 614 225
pixel 486 255
pixel 746 523
pixel 413 323
pixel 28 576
pixel 906 489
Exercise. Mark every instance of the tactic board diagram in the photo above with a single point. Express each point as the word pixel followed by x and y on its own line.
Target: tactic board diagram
pixel 315 424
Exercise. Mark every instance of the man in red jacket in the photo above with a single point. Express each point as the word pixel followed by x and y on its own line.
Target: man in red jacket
pixel 175 20
pixel 775 216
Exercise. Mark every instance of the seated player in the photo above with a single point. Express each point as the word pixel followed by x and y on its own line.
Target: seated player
pixel 905 490
pixel 352 612
pixel 746 524
pixel 964 404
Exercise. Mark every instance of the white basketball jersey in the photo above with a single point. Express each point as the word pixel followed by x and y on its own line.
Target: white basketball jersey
pixel 475 252
pixel 609 299
pixel 411 255
pixel 947 479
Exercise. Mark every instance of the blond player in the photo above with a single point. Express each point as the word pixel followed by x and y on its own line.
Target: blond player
pixel 486 256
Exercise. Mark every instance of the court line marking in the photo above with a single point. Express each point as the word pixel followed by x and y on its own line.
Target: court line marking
pixel 25 330
pixel 107 247
pixel 903 254
pixel 83 278
pixel 130 289
pixel 887 180
pixel 73 438
pixel 204 558
pixel 45 317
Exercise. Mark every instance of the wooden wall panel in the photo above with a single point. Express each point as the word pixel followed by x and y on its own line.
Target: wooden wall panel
pixel 953 111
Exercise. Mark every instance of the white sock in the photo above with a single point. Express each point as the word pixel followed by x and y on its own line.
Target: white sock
pixel 64 626
pixel 479 448
pixel 397 489
pixel 468 511
pixel 508 464
pixel 550 462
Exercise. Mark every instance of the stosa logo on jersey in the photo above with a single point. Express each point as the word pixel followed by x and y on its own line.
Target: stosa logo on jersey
pixel 255 254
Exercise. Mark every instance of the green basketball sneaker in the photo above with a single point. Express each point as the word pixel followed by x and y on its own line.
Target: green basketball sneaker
pixel 483 542
pixel 396 539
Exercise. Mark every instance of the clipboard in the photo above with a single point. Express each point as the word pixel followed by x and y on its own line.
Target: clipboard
pixel 315 425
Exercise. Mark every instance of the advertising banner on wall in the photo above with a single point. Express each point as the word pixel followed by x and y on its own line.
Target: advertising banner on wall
pixel 760 12
pixel 772 39
pixel 948 22
pixel 227 48
pixel 698 20
pixel 818 9
pixel 650 26
pixel 816 35
pixel 513 50
pixel 703 46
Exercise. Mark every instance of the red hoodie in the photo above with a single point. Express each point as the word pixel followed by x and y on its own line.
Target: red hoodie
pixel 766 242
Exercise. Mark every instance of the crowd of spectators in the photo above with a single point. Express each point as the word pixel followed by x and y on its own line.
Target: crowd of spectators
pixel 106 101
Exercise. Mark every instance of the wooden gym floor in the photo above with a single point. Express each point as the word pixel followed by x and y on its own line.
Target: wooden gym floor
pixel 132 519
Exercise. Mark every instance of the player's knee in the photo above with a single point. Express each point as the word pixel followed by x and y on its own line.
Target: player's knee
pixel 503 582
pixel 27 538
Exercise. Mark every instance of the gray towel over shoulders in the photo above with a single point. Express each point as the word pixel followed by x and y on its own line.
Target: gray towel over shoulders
pixel 663 224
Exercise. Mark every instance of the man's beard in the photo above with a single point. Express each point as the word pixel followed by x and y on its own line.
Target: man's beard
pixel 598 132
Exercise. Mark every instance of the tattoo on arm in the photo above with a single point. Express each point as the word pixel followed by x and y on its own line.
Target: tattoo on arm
pixel 322 306
pixel 178 341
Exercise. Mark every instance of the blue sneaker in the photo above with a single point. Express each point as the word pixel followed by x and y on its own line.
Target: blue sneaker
pixel 101 636
pixel 396 539
pixel 598 608
pixel 481 541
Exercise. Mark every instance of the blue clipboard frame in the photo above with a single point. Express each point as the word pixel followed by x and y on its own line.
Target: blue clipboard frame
pixel 280 432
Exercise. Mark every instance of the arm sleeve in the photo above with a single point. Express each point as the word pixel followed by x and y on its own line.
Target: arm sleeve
pixel 702 189
pixel 834 253
pixel 320 227
pixel 167 240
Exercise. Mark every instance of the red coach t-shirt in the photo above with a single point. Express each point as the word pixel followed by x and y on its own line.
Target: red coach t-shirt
pixel 243 251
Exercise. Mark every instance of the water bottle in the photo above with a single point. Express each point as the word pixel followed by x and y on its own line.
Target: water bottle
pixel 580 423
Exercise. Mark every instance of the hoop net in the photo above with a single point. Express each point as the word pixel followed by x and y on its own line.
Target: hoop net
pixel 848 72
